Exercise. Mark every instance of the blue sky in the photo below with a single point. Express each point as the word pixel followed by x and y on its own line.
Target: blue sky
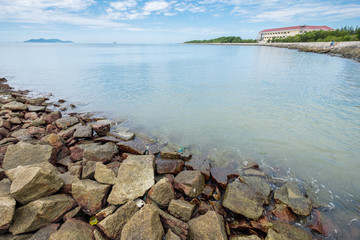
pixel 164 21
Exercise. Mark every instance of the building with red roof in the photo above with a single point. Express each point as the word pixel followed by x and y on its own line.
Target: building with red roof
pixel 269 34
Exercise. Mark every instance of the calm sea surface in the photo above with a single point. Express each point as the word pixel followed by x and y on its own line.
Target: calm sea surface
pixel 297 114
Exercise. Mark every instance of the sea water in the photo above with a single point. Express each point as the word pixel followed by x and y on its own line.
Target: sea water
pixel 296 113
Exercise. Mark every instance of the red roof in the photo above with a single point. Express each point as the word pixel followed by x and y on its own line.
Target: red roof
pixel 298 27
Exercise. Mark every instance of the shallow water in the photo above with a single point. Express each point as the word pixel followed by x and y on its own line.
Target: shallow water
pixel 296 113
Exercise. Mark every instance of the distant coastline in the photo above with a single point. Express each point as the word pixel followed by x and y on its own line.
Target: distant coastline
pixel 349 50
pixel 42 40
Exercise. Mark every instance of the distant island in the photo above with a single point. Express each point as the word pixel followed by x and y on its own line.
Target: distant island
pixel 231 39
pixel 42 40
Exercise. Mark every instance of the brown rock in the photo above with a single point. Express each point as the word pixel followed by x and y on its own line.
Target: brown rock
pixel 191 182
pixel 88 169
pixel 207 227
pixel 5 187
pixel 66 122
pixel 184 155
pixel 107 139
pixel 7 210
pixel 164 166
pixel 204 208
pixel 134 147
pixel 90 195
pixel 15 106
pixel 45 233
pixel 144 225
pixel 200 164
pixel 104 174
pixel 101 153
pixel 113 224
pixel 322 224
pixel 259 186
pixel 32 182
pixel 208 191
pixel 68 179
pixel 245 237
pixel 162 193
pixel 72 213
pixel 40 213
pixel 240 224
pixel 285 231
pixel 221 175
pixel 122 135
pixel 105 212
pixel 101 127
pixel 4 132
pixel 73 229
pixel 76 153
pixel 171 236
pixel 135 177
pixel 31 115
pixel 283 213
pixel 33 108
pixel 52 117
pixel 262 224
pixel 83 132
pixel 254 172
pixel 181 209
pixel 5 124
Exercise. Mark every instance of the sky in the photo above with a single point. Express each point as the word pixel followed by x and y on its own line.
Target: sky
pixel 164 21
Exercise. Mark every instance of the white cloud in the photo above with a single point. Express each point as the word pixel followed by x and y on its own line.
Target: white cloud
pixel 123 5
pixel 156 6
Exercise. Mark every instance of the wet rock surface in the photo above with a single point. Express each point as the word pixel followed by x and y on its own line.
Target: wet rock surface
pixel 191 182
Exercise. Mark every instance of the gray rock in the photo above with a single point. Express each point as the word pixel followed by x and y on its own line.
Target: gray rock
pixel 26 154
pixel 291 195
pixel 135 177
pixel 113 224
pixel 15 121
pixel 52 117
pixel 191 182
pixel 34 181
pixel 38 122
pixel 17 237
pixel 66 122
pixel 162 193
pixel 133 147
pixel 171 236
pixel 104 213
pixel 75 230
pixel 259 185
pixel 83 132
pixel 144 225
pixel 122 135
pixel 201 164
pixel 101 127
pixel 7 209
pixel 242 199
pixel 5 187
pixel 40 213
pixel 5 124
pixel 33 108
pixel 71 213
pixel 207 227
pixel 45 233
pixel 103 153
pixel 283 231
pixel 89 195
pixel 88 169
pixel 244 237
pixel 184 155
pixel 181 209
pixel 15 106
pixel 104 174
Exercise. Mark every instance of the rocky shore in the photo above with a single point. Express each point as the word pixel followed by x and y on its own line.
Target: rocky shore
pixel 81 177
pixel 349 50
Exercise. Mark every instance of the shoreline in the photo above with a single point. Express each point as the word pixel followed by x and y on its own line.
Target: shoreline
pixel 76 142
pixel 350 50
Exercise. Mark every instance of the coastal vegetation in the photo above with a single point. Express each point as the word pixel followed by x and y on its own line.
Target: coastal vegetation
pixel 231 39
pixel 339 35
pixel 42 40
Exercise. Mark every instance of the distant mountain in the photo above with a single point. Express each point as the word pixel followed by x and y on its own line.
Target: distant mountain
pixel 42 40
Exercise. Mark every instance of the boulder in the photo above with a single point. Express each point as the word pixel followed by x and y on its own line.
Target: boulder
pixel 73 229
pixel 164 166
pixel 24 154
pixel 283 213
pixel 66 122
pixel 322 224
pixel 259 186
pixel 5 124
pixel 200 164
pixel 52 117
pixel 291 195
pixel 104 174
pixel 113 224
pixel 17 237
pixel 191 182
pixel 15 121
pixel 181 209
pixel 221 175
pixel 207 227
pixel 37 101
pixel 34 181
pixel 33 108
pixel 103 153
pixel 38 122
pixel 15 106
pixel 122 135
pixel 45 233
pixel 5 187
pixel 83 132
pixel 183 155
pixel 68 179
pixel 7 209
pixel 101 127
pixel 4 132
pixel 90 195
pixel 171 236
pixel 40 213
pixel 162 193
pixel 244 237
pixel 144 225
pixel 169 222
pixel 104 213
pixel 242 199
pixel 72 213
pixel 208 191
pixel 285 231
pixel 135 177
pixel 133 147
pixel 263 224
pixel 31 115
pixel 88 169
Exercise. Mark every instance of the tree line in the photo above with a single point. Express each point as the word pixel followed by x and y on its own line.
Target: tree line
pixel 343 34
pixel 231 39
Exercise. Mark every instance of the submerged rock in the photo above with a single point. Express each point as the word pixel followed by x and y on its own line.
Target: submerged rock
pixel 135 177
pixel 200 164
pixel 191 182
pixel 24 153
pixel 285 231
pixel 40 213
pixel 164 166
pixel 113 224
pixel 242 199
pixel 144 225
pixel 221 175
pixel 291 195
pixel 207 227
